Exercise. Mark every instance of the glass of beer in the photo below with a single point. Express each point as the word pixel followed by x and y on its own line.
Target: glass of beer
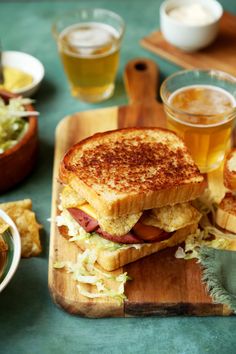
pixel 89 43
pixel 200 106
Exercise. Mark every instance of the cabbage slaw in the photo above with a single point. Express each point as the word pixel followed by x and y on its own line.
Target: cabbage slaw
pixel 13 124
pixel 208 234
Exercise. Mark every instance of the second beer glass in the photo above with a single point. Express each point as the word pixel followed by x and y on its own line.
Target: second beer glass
pixel 89 44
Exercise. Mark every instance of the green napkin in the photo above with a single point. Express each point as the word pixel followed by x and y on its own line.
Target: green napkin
pixel 219 274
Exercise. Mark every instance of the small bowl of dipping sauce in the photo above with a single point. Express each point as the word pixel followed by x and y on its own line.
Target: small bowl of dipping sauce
pixel 190 25
pixel 22 72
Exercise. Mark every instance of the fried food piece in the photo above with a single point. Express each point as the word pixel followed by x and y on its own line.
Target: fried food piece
pixel 25 220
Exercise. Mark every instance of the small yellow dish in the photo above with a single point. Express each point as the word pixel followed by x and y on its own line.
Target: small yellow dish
pixel 23 73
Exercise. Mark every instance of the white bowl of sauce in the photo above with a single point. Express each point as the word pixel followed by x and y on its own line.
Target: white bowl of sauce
pixel 23 73
pixel 190 24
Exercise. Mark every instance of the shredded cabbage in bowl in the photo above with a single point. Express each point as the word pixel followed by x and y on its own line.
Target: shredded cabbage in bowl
pixel 13 124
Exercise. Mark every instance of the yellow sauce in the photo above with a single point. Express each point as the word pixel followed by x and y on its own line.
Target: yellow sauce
pixel 15 79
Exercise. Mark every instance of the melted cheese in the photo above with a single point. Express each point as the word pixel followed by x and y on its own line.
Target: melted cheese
pixel 88 209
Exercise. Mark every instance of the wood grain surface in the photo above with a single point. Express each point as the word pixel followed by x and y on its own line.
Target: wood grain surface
pixel 219 55
pixel 162 284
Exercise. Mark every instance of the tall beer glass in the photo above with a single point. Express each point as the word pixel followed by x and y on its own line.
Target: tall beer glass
pixel 89 44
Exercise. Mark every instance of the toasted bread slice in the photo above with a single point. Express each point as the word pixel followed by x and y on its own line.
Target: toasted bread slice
pixel 230 170
pixel 129 170
pixel 111 260
pixel 226 213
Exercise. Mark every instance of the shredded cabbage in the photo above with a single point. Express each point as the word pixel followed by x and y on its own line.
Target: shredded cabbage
pixel 13 124
pixel 206 203
pixel 180 253
pixel 84 270
pixel 207 237
pixel 85 273
pixel 208 234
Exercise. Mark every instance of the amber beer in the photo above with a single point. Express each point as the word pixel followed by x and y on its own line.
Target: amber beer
pixel 90 56
pixel 203 116
pixel 89 45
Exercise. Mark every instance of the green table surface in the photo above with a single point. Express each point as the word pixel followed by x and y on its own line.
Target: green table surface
pixel 29 321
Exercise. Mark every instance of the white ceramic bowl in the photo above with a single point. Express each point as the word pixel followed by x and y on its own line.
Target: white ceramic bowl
pixel 190 37
pixel 28 64
pixel 14 253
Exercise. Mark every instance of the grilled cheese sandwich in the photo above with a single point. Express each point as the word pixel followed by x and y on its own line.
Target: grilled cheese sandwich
pixel 131 186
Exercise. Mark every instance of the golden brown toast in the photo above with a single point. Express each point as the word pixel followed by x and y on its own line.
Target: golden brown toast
pixel 226 213
pixel 129 170
pixel 230 170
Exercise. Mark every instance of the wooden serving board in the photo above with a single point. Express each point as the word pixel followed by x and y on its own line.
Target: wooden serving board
pixel 220 55
pixel 162 284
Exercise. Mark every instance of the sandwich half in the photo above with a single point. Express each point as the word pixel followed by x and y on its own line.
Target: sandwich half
pixel 127 193
pixel 226 211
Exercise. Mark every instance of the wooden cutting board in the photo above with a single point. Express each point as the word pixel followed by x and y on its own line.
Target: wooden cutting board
pixel 162 284
pixel 220 55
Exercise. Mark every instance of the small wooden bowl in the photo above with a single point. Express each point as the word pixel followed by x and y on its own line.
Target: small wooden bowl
pixel 17 162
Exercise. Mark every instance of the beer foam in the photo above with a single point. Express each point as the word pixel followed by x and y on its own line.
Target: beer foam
pixel 217 101
pixel 88 37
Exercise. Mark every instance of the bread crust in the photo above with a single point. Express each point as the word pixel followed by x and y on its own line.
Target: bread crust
pixel 151 168
pixel 133 203
pixel 111 260
pixel 229 173
pixel 226 213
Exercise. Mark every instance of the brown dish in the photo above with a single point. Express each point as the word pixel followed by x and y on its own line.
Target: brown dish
pixel 17 162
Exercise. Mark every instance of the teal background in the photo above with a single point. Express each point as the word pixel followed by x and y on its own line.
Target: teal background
pixel 29 322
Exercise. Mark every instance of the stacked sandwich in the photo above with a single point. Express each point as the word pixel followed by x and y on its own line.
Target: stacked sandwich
pixel 226 212
pixel 127 194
